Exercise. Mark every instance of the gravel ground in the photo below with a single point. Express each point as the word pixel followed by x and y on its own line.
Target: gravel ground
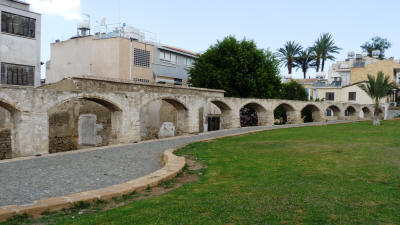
pixel 22 182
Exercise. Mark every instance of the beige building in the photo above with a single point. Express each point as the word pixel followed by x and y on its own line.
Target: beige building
pixel 346 94
pixel 111 57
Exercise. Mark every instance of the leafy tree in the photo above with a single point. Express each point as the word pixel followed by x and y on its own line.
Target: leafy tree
pixel 239 68
pixel 294 91
pixel 377 43
pixel 305 60
pixel 324 49
pixel 377 88
pixel 288 54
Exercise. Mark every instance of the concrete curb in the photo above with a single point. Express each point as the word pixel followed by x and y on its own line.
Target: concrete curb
pixel 172 166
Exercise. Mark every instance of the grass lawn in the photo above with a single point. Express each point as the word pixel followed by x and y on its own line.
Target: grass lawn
pixel 338 174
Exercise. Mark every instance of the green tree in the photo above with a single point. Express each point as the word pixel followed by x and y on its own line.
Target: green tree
pixel 294 91
pixel 305 60
pixel 377 88
pixel 288 54
pixel 324 48
pixel 377 43
pixel 239 68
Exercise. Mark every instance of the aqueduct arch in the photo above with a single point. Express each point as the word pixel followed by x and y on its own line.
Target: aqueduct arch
pixel 158 111
pixel 285 114
pixel 8 117
pixel 80 122
pixel 253 114
pixel 333 112
pixel 311 113
pixel 351 113
pixel 366 113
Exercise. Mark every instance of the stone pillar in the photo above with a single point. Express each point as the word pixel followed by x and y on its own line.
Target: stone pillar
pixel 31 134
pixel 294 117
pixel 266 118
pixel 192 120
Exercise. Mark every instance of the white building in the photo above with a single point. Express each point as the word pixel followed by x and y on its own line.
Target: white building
pixel 20 39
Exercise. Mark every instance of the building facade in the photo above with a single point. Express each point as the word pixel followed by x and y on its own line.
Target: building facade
pixel 171 65
pixel 122 54
pixel 20 43
pixel 111 57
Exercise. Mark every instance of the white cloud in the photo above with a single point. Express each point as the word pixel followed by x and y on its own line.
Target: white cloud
pixel 69 9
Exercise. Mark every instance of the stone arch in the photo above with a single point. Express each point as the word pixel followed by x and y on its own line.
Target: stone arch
pixel 77 122
pixel 285 113
pixel 350 113
pixel 163 117
pixel 311 113
pixel 215 115
pixel 253 114
pixel 8 117
pixel 333 112
pixel 366 113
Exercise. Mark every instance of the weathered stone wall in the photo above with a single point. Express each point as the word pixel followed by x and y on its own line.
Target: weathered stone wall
pixel 5 144
pixel 64 123
pixel 40 119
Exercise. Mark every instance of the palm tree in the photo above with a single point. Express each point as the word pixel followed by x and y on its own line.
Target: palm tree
pixel 288 53
pixel 324 49
pixel 305 60
pixel 377 89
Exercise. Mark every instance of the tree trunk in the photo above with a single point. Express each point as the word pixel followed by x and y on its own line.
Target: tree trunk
pixel 323 65
pixel 376 121
pixel 317 64
pixel 290 67
pixel 305 73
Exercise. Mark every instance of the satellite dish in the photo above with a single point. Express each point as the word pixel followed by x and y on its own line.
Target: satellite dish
pixel 103 21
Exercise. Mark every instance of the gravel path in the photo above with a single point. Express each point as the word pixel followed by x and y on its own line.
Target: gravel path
pixel 22 182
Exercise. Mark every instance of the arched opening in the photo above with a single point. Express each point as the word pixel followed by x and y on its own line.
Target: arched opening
pixel 333 113
pixel 7 130
pixel 80 123
pixel 366 113
pixel 311 113
pixel 253 114
pixel 163 118
pixel 350 113
pixel 284 114
pixel 215 115
pixel 381 114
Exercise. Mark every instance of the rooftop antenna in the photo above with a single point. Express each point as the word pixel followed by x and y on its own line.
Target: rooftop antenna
pixel 119 13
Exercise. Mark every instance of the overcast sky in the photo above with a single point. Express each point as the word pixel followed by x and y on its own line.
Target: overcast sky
pixel 195 25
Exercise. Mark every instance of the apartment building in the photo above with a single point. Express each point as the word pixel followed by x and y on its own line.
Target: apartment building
pixel 119 53
pixel 20 42
pixel 171 65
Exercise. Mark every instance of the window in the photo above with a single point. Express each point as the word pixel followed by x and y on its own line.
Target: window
pixel 188 61
pixel 141 57
pixel 141 80
pixel 19 25
pixel 330 96
pixel 178 81
pixel 168 56
pixel 352 96
pixel 329 112
pixel 17 74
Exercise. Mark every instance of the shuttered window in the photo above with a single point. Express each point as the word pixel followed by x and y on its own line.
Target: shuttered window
pixel 17 74
pixel 18 25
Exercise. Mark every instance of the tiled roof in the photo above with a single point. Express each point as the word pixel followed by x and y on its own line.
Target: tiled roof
pixel 181 50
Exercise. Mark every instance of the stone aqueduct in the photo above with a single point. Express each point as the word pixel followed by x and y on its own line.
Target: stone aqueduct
pixel 29 109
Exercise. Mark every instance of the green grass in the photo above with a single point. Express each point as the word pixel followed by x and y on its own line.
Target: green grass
pixel 339 174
